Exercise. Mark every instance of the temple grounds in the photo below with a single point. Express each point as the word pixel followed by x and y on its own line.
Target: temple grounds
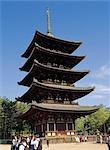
pixel 68 146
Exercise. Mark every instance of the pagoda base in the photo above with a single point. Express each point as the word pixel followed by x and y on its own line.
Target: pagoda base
pixel 59 134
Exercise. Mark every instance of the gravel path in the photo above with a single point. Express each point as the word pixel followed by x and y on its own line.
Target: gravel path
pixel 67 146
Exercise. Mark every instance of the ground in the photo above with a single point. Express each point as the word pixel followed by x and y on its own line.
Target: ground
pixel 68 146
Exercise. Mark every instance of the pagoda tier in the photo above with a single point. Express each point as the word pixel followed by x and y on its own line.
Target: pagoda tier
pixel 53 57
pixel 53 75
pixel 51 43
pixel 53 120
pixel 44 108
pixel 52 93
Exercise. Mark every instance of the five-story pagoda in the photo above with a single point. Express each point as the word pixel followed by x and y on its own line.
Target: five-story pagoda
pixel 51 81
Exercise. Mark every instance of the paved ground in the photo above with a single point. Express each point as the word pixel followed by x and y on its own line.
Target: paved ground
pixel 68 146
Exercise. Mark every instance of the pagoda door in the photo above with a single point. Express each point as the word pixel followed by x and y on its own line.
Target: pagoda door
pixel 60 126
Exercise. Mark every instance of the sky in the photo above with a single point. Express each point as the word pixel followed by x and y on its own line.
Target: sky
pixel 85 21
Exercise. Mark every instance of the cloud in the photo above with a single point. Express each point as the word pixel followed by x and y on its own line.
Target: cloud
pixel 102 72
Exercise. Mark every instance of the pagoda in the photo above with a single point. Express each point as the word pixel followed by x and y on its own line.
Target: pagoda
pixel 51 81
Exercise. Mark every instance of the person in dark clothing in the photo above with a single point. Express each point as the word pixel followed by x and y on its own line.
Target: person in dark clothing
pixel 47 143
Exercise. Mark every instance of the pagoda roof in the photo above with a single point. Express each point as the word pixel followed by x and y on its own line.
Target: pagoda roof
pixel 71 60
pixel 62 108
pixel 51 43
pixel 36 67
pixel 38 88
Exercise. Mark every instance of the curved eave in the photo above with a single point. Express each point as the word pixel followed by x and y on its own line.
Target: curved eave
pixel 70 46
pixel 75 75
pixel 32 93
pixel 61 108
pixel 62 88
pixel 72 60
pixel 53 51
pixel 57 39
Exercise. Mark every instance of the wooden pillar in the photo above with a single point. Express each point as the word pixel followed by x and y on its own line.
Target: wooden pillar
pixel 66 126
pixel 42 127
pixel 47 126
pixel 73 125
pixel 54 126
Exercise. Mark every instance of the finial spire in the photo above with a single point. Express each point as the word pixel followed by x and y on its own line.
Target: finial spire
pixel 48 23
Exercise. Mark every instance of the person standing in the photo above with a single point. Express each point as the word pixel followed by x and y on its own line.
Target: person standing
pixel 31 144
pixel 36 142
pixel 108 142
pixel 23 145
pixel 14 142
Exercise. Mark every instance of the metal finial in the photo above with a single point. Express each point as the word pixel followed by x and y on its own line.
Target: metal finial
pixel 48 23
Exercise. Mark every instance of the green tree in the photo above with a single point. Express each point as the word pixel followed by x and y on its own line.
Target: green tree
pixel 10 121
pixel 98 120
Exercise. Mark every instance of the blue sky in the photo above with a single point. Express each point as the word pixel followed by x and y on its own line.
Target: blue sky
pixel 86 21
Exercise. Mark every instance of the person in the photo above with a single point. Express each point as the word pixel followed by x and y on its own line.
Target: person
pixel 28 140
pixel 36 142
pixel 108 142
pixel 47 143
pixel 77 139
pixel 40 145
pixel 31 144
pixel 19 139
pixel 81 138
pixel 101 139
pixel 85 138
pixel 14 142
pixel 23 145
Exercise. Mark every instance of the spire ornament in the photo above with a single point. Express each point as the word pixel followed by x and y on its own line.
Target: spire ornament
pixel 48 24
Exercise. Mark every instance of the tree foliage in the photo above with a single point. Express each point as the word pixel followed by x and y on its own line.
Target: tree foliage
pixel 9 120
pixel 94 121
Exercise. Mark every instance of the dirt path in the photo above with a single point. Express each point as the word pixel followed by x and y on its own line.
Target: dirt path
pixel 67 146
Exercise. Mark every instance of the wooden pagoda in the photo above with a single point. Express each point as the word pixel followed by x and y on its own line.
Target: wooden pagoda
pixel 51 81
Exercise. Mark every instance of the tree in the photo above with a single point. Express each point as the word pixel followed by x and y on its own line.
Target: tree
pixel 94 121
pixel 10 122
